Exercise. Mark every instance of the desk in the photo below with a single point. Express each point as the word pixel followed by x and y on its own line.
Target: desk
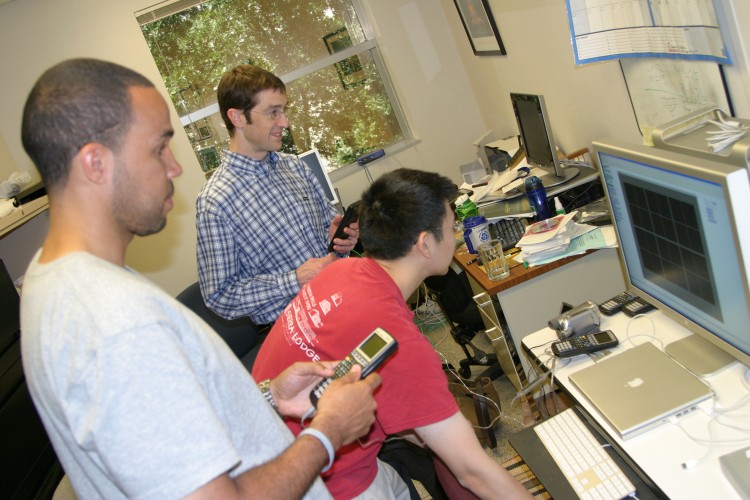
pixel 660 452
pixel 531 297
pixel 23 214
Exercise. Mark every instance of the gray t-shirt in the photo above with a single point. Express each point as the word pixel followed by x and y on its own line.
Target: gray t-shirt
pixel 140 397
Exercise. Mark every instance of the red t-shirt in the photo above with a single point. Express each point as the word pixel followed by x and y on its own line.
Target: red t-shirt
pixel 330 316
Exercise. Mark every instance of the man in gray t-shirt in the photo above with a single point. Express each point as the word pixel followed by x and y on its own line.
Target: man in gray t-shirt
pixel 140 398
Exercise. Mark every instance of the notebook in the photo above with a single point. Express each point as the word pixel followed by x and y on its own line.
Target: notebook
pixel 639 389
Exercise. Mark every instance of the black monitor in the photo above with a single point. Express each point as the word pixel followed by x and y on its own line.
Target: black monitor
pixel 684 241
pixel 537 139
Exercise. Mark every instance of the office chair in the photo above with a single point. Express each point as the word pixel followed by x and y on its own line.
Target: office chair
pixel 240 334
pixel 29 467
pixel 453 295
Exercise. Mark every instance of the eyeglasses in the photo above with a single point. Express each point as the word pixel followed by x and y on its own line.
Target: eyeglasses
pixel 275 114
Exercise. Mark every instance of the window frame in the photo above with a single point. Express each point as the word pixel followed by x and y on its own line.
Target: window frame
pixel 369 44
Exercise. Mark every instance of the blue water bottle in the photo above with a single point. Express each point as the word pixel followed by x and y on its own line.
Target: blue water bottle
pixel 537 197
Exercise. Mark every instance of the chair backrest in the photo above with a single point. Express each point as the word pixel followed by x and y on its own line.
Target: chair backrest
pixel 454 296
pixel 240 334
pixel 28 465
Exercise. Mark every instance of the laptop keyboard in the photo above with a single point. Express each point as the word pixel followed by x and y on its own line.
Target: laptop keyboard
pixel 588 468
pixel 510 230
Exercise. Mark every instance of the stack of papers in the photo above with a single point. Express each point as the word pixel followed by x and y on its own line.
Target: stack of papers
pixel 501 186
pixel 559 237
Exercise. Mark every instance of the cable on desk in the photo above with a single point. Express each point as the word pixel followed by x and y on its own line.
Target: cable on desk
pixel 690 464
pixel 571 204
pixel 716 416
pixel 714 419
pixel 736 406
pixel 651 336
pixel 542 345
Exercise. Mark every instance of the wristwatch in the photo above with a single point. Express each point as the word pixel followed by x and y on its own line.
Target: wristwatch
pixel 265 389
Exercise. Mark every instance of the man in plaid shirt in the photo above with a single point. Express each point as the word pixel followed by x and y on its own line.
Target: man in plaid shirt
pixel 263 220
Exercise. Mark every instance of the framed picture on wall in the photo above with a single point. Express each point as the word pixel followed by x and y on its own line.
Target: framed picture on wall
pixel 480 27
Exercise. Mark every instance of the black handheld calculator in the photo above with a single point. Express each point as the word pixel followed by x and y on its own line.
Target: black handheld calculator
pixel 584 344
pixel 616 303
pixel 636 307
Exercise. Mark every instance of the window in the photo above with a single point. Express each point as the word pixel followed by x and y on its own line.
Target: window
pixel 341 101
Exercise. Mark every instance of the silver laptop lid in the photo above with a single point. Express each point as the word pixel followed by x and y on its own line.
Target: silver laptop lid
pixel 639 388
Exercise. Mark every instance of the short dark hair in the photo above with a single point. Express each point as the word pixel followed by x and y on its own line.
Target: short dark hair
pixel 239 88
pixel 74 103
pixel 398 207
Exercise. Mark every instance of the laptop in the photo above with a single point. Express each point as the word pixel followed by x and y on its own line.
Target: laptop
pixel 639 389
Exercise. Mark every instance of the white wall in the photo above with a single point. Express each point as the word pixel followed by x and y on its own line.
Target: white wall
pixel 425 66
pixel 585 102
pixel 36 34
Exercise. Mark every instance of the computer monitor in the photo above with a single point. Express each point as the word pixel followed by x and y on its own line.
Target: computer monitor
pixel 685 244
pixel 483 150
pixel 315 162
pixel 537 139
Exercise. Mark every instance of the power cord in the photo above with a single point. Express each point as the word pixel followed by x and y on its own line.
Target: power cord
pixel 716 416
pixel 494 404
pixel 650 336
pixel 428 315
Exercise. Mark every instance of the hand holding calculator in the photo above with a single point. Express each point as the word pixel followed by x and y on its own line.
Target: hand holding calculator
pixel 370 354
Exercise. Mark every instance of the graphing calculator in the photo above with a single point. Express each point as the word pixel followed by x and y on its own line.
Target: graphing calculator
pixel 636 307
pixel 616 303
pixel 584 344
pixel 370 354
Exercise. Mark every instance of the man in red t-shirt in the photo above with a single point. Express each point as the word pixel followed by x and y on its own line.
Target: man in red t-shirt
pixel 406 226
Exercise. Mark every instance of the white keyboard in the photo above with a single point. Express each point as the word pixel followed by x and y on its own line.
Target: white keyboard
pixel 583 461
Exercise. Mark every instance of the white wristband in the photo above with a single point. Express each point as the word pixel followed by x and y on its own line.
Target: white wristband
pixel 326 443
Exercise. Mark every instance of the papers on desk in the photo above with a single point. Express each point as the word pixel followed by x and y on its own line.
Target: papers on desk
pixel 560 237
pixel 502 186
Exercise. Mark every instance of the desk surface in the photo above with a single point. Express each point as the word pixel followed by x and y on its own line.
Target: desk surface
pixel 661 451
pixel 23 214
pixel 518 274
